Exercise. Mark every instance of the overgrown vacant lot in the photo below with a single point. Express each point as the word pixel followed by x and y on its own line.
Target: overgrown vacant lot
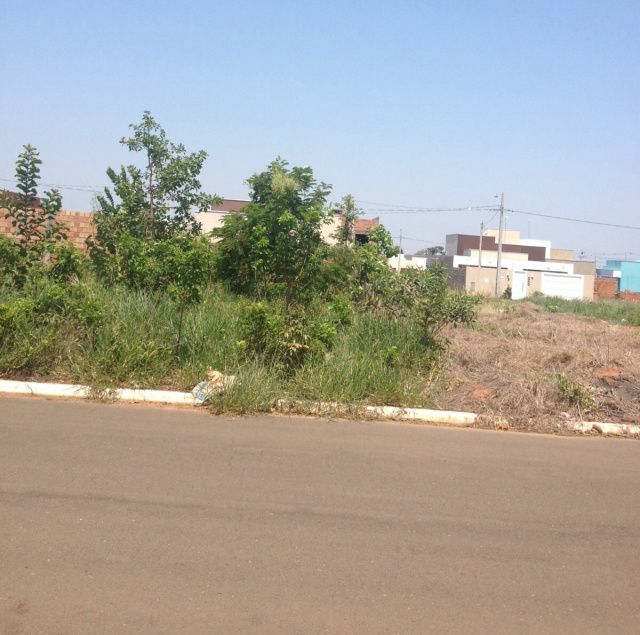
pixel 537 367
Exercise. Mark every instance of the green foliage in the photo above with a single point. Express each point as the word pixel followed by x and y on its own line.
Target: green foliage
pixel 573 392
pixel 332 323
pixel 431 251
pixel 148 205
pixel 272 247
pixel 10 261
pixel 283 341
pixel 66 263
pixel 439 307
pixel 35 320
pixel 35 228
pixel 382 240
pixel 350 213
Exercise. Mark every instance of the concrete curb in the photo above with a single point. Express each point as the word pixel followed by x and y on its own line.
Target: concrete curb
pixel 387 412
pixel 70 390
pixel 618 429
pixel 38 389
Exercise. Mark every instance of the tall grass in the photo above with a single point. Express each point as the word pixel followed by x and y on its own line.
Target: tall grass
pixel 115 337
pixel 377 360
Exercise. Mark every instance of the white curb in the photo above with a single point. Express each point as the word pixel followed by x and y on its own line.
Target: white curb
pixel 38 389
pixel 432 416
pixel 606 428
pixel 69 390
pixel 389 412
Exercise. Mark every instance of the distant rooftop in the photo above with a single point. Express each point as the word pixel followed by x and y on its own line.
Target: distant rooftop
pixel 229 205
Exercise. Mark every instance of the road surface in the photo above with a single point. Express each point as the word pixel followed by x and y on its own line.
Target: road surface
pixel 132 519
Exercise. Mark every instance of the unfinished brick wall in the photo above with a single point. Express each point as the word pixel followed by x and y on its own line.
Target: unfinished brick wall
pixel 605 288
pixel 630 296
pixel 78 226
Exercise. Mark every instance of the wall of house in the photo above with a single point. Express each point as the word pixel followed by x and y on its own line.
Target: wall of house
pixel 510 236
pixel 561 254
pixel 569 287
pixel 605 288
pixel 78 225
pixel 210 221
pixel 493 255
pixel 518 265
pixel 482 281
pixel 629 296
pixel 407 262
pixel 457 244
pixel 535 242
pixel 629 274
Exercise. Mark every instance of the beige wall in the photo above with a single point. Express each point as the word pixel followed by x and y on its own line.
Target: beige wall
pixel 589 284
pixel 329 230
pixel 584 268
pixel 210 220
pixel 506 255
pixel 483 281
pixel 561 254
pixel 509 236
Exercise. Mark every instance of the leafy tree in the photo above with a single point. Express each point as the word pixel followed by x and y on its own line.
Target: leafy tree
pixel 349 213
pixel 147 205
pixel 431 251
pixel 185 264
pixel 153 201
pixel 438 307
pixel 273 243
pixel 35 226
pixel 382 240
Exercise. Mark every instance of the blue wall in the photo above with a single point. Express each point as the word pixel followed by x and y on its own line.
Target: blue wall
pixel 630 274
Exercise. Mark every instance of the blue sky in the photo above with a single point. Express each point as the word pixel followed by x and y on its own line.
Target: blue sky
pixel 424 104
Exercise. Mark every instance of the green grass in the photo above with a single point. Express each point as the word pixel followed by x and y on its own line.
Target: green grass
pixel 613 311
pixel 114 337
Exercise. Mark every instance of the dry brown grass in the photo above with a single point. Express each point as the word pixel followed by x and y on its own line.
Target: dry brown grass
pixel 508 369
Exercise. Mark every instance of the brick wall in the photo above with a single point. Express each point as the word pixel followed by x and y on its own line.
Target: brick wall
pixel 361 225
pixel 605 288
pixel 630 296
pixel 78 226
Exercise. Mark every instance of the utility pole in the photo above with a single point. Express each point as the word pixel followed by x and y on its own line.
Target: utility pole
pixel 399 253
pixel 480 258
pixel 499 263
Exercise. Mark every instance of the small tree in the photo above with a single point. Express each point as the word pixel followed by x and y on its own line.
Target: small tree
pixel 148 204
pixel 431 251
pixel 350 213
pixel 383 241
pixel 155 200
pixel 273 242
pixel 35 226
pixel 185 265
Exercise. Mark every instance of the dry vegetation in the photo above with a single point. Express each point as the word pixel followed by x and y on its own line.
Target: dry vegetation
pixel 524 367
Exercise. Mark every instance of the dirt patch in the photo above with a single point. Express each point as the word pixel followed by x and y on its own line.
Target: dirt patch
pixel 541 371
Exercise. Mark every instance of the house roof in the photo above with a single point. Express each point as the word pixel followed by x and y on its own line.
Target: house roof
pixel 229 205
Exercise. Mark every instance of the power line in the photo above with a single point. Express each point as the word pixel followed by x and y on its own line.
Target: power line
pixel 423 210
pixel 573 220
pixel 406 209
pixel 418 240
pixel 79 188
pixel 428 209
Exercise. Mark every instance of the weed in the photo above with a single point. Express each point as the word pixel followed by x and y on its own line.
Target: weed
pixel 573 392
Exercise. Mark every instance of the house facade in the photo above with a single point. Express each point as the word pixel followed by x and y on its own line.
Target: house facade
pixel 527 266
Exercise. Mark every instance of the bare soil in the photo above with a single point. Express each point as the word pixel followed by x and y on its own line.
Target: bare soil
pixel 526 368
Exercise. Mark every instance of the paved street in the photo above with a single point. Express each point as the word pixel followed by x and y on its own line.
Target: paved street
pixel 132 519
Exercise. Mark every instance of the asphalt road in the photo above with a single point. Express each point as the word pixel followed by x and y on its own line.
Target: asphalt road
pixel 130 519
